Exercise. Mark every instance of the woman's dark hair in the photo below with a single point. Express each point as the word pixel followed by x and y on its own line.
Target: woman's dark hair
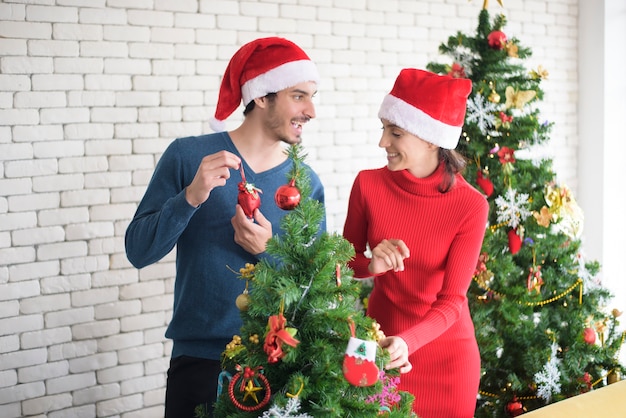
pixel 454 163
pixel 250 106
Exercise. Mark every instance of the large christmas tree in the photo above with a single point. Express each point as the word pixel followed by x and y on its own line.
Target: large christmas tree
pixel 542 318
pixel 305 349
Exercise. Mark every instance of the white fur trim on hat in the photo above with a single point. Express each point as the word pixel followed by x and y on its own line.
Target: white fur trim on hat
pixel 279 78
pixel 217 125
pixel 420 124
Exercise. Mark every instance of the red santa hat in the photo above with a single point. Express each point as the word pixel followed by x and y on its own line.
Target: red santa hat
pixel 260 67
pixel 428 105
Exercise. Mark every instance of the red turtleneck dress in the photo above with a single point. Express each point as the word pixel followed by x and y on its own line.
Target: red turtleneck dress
pixel 426 304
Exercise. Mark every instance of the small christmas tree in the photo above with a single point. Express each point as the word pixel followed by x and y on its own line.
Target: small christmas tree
pixel 540 314
pixel 305 349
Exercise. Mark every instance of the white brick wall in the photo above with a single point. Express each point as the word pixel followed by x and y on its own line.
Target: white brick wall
pixel 91 92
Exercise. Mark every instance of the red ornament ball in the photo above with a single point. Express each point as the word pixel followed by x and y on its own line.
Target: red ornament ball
pixel 515 408
pixel 589 335
pixel 287 196
pixel 497 39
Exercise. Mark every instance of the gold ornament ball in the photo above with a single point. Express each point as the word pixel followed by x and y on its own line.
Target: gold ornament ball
pixel 494 97
pixel 243 301
pixel 613 377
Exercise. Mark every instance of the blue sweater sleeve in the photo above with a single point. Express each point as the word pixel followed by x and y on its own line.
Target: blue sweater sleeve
pixel 163 213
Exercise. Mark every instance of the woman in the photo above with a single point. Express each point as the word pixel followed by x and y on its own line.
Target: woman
pixel 424 225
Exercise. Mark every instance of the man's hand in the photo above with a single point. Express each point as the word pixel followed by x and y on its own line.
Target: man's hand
pixel 251 234
pixel 213 172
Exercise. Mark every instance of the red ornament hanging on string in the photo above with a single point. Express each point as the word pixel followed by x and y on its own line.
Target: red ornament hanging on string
pixel 589 335
pixel 248 197
pixel 515 242
pixel 287 196
pixel 514 408
pixel 497 39
pixel 484 183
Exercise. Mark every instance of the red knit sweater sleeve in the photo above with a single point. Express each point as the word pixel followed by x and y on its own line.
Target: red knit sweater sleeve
pixel 355 231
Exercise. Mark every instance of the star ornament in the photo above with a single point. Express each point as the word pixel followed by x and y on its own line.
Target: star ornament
pixel 251 391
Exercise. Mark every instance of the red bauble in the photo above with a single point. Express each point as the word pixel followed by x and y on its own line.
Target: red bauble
pixel 484 183
pixel 515 242
pixel 515 408
pixel 497 39
pixel 287 196
pixel 248 197
pixel 589 335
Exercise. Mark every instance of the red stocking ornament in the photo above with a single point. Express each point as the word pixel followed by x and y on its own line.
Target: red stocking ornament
pixel 359 362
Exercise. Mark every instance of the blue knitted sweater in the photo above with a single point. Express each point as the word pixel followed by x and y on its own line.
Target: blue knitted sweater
pixel 204 317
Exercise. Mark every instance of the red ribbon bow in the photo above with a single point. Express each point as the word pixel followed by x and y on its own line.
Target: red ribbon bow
pixel 276 337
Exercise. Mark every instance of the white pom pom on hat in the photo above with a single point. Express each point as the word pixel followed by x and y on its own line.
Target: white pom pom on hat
pixel 260 67
pixel 428 105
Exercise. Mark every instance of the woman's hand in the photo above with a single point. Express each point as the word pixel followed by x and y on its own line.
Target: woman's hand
pixel 388 254
pixel 398 353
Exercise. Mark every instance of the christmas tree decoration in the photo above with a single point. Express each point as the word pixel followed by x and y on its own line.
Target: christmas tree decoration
pixel 243 300
pixel 515 408
pixel 359 363
pixel 484 183
pixel 457 71
pixel 496 39
pixel 539 73
pixel 503 121
pixel 534 281
pixel 290 410
pixel 277 335
pixel 389 397
pixel 249 383
pixel 589 335
pixel 246 273
pixel 548 379
pixel 288 359
pixel 511 49
pixel 515 241
pixel 287 196
pixel 543 217
pixel 494 97
pixel 518 98
pixel 585 383
pixel 613 377
pixel 248 196
pixel 536 301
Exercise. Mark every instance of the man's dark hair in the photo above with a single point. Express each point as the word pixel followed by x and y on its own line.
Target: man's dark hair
pixel 250 106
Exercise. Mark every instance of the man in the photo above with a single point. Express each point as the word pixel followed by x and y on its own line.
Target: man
pixel 191 203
